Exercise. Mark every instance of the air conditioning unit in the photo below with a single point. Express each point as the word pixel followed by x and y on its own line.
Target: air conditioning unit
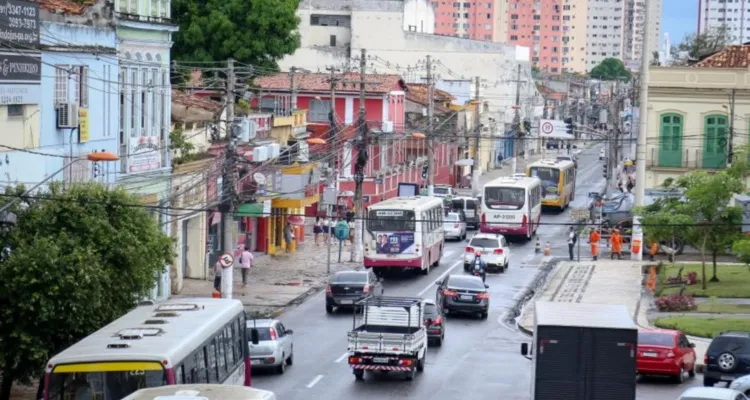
pixel 388 127
pixel 260 154
pixel 67 115
pixel 273 150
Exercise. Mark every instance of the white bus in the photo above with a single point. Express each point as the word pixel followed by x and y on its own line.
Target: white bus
pixel 512 206
pixel 202 392
pixel 405 233
pixel 176 342
pixel 558 181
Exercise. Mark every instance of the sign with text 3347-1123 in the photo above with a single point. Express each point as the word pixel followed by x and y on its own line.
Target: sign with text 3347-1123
pixel 19 24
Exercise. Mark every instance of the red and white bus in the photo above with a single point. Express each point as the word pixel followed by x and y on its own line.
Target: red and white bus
pixel 185 341
pixel 404 232
pixel 512 206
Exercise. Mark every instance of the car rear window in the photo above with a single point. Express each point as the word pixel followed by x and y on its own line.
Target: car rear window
pixel 350 277
pixel 465 282
pixel 655 339
pixel 471 204
pixel 263 334
pixel 430 310
pixel 457 204
pixel 484 242
pixel 729 343
pixel 451 217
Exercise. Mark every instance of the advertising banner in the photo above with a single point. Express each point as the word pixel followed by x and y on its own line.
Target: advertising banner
pixel 395 243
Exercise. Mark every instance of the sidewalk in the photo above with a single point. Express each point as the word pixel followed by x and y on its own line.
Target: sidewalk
pixel 600 282
pixel 277 282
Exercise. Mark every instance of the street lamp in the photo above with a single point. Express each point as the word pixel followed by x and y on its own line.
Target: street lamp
pixel 418 135
pixel 93 157
pixel 316 141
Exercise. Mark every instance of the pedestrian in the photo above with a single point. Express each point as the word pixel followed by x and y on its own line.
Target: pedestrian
pixel 615 243
pixel 331 227
pixel 217 276
pixel 654 250
pixel 288 236
pixel 246 261
pixel 594 238
pixel 572 239
pixel 325 225
pixel 317 230
pixel 631 185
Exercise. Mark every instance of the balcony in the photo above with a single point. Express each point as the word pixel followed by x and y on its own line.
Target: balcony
pixel 690 159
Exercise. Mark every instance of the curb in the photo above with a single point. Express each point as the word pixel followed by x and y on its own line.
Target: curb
pixel 528 293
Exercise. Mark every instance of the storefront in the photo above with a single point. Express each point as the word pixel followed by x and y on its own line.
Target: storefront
pixel 298 189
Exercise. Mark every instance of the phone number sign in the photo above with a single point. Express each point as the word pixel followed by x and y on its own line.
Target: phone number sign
pixel 20 94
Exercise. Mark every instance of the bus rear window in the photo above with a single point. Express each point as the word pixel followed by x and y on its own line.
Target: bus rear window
pixel 391 221
pixel 503 198
pixel 549 175
pixel 104 384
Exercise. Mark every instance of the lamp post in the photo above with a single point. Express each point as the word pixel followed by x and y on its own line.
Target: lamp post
pixel 93 157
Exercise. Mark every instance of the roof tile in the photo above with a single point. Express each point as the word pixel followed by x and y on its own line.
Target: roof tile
pixel 64 6
pixel 193 101
pixel 417 93
pixel 318 82
pixel 734 56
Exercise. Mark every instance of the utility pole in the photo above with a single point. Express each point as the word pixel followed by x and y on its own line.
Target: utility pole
pixel 517 120
pixel 730 147
pixel 430 130
pixel 477 133
pixel 293 87
pixel 640 155
pixel 332 156
pixel 227 184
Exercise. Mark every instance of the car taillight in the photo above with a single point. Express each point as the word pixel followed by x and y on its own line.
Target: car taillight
pixel 329 292
pixel 524 221
pixel 483 296
pixel 455 225
pixel 670 354
pixel 449 293
pixel 469 249
pixel 273 334
pixel 437 321
pixel 705 359
pixel 498 251
pixel 366 289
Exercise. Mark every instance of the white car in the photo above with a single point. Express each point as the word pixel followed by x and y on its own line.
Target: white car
pixel 711 393
pixel 454 226
pixel 443 191
pixel 602 154
pixel 494 248
pixel 741 384
pixel 274 349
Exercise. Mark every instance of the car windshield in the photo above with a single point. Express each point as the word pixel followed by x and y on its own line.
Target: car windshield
pixel 350 277
pixel 263 334
pixel 466 282
pixel 484 243
pixel 655 339
pixel 451 217
pixel 430 310
pixel 504 198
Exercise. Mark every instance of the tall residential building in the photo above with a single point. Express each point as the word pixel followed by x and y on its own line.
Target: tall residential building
pixel 473 19
pixel 735 15
pixel 605 33
pixel 633 29
pixel 575 18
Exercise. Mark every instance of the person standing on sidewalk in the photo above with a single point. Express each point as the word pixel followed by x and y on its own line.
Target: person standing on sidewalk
pixel 325 225
pixel 594 238
pixel 288 236
pixel 246 261
pixel 317 230
pixel 615 243
pixel 217 276
pixel 572 239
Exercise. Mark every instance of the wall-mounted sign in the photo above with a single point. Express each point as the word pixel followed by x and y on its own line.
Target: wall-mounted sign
pixel 144 154
pixel 20 68
pixel 23 93
pixel 19 23
pixel 83 125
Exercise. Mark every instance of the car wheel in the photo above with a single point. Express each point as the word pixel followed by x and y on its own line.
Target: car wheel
pixel 426 271
pixel 691 372
pixel 359 374
pixel 282 367
pixel 680 378
pixel 507 264
pixel 329 309
pixel 708 382
pixel 466 267
pixel 726 362
pixel 439 341
pixel 420 365
pixel 290 360
pixel 483 315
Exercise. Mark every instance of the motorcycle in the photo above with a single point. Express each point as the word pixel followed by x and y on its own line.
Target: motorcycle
pixel 480 272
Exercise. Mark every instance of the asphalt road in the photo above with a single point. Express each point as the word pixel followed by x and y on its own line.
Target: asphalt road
pixel 478 357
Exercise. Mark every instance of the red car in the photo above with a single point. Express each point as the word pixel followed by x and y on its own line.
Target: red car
pixel 665 352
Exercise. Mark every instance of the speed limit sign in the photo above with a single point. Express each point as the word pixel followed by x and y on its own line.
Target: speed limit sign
pixel 226 260
pixel 547 128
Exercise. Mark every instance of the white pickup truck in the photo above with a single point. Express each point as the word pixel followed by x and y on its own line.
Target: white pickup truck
pixel 389 335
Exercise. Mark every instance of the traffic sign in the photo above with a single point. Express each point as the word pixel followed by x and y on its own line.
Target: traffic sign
pixel 547 128
pixel 552 128
pixel 341 230
pixel 226 260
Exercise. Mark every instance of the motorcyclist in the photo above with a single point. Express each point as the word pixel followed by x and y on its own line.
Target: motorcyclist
pixel 480 265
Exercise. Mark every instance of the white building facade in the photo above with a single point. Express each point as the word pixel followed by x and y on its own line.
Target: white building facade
pixel 605 33
pixel 735 15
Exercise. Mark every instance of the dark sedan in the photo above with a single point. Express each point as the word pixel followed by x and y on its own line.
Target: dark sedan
pixel 348 287
pixel 463 294
pixel 434 321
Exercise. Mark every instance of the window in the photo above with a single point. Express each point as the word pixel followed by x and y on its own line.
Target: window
pixel 199 370
pixel 211 362
pixel 123 110
pixel 61 84
pixel 144 89
pixel 715 142
pixel 155 106
pixel 319 110
pixel 221 355
pixel 670 140
pixel 81 79
pixel 163 129
pixel 133 101
pixel 229 344
pixel 179 378
pixel 15 110
pixel 333 41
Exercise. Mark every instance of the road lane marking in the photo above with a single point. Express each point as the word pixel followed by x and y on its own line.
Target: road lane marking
pixel 342 358
pixel 432 284
pixel 314 381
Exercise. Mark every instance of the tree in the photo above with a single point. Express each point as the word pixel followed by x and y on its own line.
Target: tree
pixel 711 41
pixel 723 235
pixel 655 58
pixel 73 262
pixel 610 69
pixel 257 32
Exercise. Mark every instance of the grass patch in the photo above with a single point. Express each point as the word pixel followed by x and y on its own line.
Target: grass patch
pixel 721 308
pixel 734 281
pixel 703 327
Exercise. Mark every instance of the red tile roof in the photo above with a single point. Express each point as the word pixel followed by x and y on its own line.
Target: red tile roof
pixel 417 93
pixel 317 82
pixel 64 6
pixel 193 101
pixel 734 56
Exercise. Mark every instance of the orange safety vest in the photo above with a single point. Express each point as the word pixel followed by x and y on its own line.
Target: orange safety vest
pixel 654 248
pixel 616 243
pixel 594 238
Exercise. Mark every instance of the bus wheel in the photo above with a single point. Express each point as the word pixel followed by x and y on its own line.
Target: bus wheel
pixel 426 271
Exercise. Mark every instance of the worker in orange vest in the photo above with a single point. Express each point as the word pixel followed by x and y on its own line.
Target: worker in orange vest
pixel 654 250
pixel 594 238
pixel 616 243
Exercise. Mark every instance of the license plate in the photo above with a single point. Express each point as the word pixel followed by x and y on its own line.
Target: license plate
pixel 727 378
pixel 255 362
pixel 486 252
pixel 347 302
pixel 649 354
pixel 380 360
pixel 467 297
pixel 391 256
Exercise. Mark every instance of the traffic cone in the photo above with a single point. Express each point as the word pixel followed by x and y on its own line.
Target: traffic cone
pixel 216 295
pixel 547 250
pixel 537 246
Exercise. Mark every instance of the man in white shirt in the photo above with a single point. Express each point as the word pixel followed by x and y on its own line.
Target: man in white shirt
pixel 246 261
pixel 572 239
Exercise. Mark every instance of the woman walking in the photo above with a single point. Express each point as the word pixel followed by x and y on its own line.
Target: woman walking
pixel 317 230
pixel 246 261
pixel 324 225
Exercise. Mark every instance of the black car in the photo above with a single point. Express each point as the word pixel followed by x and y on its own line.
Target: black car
pixel 463 294
pixel 727 358
pixel 348 287
pixel 434 321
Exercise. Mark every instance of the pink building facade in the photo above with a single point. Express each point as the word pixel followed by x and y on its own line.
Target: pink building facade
pixel 471 19
pixel 539 27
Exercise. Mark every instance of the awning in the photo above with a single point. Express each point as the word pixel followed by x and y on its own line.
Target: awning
pixel 295 203
pixel 250 210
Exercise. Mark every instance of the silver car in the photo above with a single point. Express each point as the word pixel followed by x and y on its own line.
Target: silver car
pixel 274 349
pixel 454 226
pixel 741 384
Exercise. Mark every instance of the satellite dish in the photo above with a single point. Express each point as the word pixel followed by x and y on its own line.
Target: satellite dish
pixel 259 178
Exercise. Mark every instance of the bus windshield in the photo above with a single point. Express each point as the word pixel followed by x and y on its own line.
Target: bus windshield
pixel 391 221
pixel 546 175
pixel 504 198
pixel 113 381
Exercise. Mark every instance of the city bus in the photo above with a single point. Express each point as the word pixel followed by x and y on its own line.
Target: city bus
pixel 185 341
pixel 202 392
pixel 404 233
pixel 558 181
pixel 512 206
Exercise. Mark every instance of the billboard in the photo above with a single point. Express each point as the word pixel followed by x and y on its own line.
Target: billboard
pixel 395 243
